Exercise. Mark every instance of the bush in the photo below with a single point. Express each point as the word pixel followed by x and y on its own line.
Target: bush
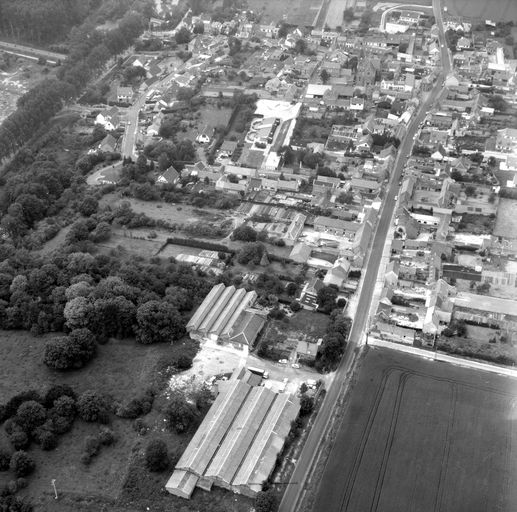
pixel 72 351
pixel 91 446
pixel 47 439
pixel 21 463
pixel 65 406
pixel 136 407
pixel 266 501
pixel 92 407
pixel 30 415
pixel 11 407
pixel 18 438
pixel 244 233
pixel 107 437
pixel 62 424
pixel 306 404
pixel 156 456
pixel 5 458
pixel 140 426
pixel 180 414
pixel 58 391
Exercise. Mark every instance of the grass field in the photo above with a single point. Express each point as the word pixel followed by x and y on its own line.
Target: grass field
pixel 498 10
pixel 296 12
pixel 422 436
pixel 506 221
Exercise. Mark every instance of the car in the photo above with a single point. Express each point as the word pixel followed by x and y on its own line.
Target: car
pixel 265 375
pixel 283 361
pixel 396 198
pixel 295 366
pixel 442 45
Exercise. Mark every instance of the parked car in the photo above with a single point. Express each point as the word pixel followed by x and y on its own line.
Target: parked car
pixel 283 361
pixel 295 365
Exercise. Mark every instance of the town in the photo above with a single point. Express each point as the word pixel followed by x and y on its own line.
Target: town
pixel 232 231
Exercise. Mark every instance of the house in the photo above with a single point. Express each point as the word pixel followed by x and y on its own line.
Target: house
pixel 237 444
pixel 367 187
pixel 338 273
pixel 109 119
pixel 308 349
pixel 108 144
pixel 336 226
pixel 227 149
pixel 300 253
pixel 124 94
pixel 169 177
pixel 506 139
pixel 295 228
pixel 324 184
pixel 225 319
pixel 395 333
pixel 309 295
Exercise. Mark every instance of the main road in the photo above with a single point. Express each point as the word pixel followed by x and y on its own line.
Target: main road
pixel 32 53
pixel 294 489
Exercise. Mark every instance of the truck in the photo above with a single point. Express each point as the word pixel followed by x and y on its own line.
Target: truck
pixel 259 371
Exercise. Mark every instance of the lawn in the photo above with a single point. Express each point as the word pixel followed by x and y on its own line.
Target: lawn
pixel 121 369
pixel 421 435
pixel 296 12
pixel 506 221
pixel 499 10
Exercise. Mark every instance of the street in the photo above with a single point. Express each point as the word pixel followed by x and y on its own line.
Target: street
pixel 33 53
pixel 294 491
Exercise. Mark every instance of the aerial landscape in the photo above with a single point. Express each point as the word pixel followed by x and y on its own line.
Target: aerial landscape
pixel 258 255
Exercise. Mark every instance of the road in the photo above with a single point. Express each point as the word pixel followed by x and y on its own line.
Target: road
pixel 32 53
pixel 294 490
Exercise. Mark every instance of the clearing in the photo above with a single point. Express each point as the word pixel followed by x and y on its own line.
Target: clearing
pixel 295 12
pixel 426 436
pixel 506 221
pixel 498 10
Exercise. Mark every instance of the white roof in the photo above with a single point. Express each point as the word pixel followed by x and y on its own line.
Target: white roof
pixel 317 89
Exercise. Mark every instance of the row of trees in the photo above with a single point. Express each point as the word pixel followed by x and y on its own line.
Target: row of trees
pixel 90 49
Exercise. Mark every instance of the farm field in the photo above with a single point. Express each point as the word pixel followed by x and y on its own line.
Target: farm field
pixel 498 10
pixel 426 436
pixel 296 12
pixel 506 221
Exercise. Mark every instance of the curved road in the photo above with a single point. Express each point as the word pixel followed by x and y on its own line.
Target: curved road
pixel 294 491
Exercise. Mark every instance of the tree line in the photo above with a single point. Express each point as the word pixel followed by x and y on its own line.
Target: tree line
pixel 90 50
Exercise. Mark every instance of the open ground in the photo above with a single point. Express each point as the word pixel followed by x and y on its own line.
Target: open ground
pixel 295 12
pixel 506 222
pixel 498 10
pixel 423 435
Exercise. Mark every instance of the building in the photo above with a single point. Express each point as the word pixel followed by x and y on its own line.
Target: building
pixel 484 310
pixel 236 445
pixel 169 177
pixel 336 226
pixel 124 94
pixel 295 228
pixel 338 273
pixel 225 319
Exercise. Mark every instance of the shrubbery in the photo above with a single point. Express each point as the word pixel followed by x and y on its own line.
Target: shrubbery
pixel 93 444
pixel 72 351
pixel 21 464
pixel 93 407
pixel 156 455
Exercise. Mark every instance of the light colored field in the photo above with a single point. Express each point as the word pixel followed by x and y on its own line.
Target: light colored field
pixel 506 222
pixel 296 12
pixel 496 10
pixel 420 435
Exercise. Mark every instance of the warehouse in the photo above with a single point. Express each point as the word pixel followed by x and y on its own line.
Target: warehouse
pixel 226 318
pixel 237 443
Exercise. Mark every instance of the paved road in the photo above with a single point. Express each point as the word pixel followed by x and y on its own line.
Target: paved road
pixel 412 7
pixel 294 490
pixel 27 51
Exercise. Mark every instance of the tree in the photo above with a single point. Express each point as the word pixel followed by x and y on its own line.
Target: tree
pixel 306 404
pixel 300 46
pixel 498 103
pixel 72 351
pixel 180 413
pixel 21 464
pixel 92 407
pixel 326 298
pixel 156 456
pixel 245 233
pixel 252 253
pixel 266 501
pixel 199 28
pixel 325 76
pixel 30 415
pixel 158 322
pixel 348 15
pixel 183 36
pixel 88 206
pixel 345 198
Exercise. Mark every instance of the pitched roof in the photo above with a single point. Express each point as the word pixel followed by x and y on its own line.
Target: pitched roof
pixel 246 329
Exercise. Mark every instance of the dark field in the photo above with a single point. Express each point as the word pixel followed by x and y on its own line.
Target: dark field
pixel 296 12
pixel 497 10
pixel 423 436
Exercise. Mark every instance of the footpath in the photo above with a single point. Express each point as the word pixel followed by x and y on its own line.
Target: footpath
pixel 438 356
